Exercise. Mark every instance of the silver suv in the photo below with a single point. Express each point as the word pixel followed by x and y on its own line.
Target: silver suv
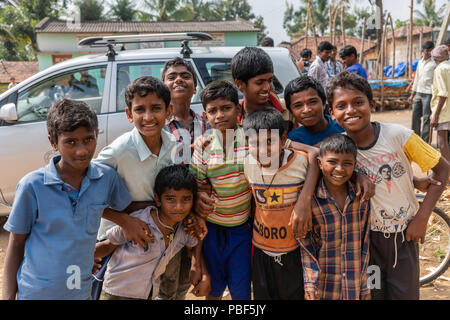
pixel 100 80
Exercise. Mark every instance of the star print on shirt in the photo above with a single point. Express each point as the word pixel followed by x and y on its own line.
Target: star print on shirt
pixel 274 197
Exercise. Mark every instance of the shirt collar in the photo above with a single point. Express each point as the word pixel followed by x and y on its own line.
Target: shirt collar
pixel 323 193
pixel 51 175
pixel 194 116
pixel 216 145
pixel 142 148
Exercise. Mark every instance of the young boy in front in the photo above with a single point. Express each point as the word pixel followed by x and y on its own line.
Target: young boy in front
pixel 335 254
pixel 56 212
pixel 397 221
pixel 305 99
pixel 275 176
pixel 227 246
pixel 134 272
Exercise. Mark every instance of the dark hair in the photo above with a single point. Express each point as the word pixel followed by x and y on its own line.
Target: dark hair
pixel 305 53
pixel 177 61
pixel 324 45
pixel 348 80
pixel 338 143
pixel 334 47
pixel 428 45
pixel 175 177
pixel 267 42
pixel 348 51
pixel 302 83
pixel 267 118
pixel 143 86
pixel 250 62
pixel 68 115
pixel 219 89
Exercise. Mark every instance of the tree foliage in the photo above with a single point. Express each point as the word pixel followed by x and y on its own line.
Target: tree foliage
pixel 430 16
pixel 123 10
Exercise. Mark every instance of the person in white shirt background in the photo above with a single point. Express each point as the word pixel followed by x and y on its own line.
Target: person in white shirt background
pixel 421 93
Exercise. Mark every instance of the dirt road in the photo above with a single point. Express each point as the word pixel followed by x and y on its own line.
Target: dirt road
pixel 439 290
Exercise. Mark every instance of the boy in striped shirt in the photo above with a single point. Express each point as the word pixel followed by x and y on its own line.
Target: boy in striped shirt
pixel 220 160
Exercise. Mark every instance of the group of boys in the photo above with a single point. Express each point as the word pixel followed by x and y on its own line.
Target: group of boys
pixel 284 219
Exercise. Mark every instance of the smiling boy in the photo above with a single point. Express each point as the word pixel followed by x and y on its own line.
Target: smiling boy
pixel 305 99
pixel 227 246
pixel 394 208
pixel 335 254
pixel 57 209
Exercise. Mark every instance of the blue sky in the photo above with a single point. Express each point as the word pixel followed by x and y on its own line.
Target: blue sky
pixel 273 12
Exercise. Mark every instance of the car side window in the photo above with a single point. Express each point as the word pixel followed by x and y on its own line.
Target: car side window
pixel 127 73
pixel 82 84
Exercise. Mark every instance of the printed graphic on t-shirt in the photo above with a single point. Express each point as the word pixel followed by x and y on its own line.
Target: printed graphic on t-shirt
pixel 385 171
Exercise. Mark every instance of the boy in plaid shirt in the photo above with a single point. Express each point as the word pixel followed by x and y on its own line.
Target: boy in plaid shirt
pixel 335 254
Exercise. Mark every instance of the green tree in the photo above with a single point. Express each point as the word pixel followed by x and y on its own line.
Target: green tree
pixel 233 9
pixel 158 10
pixel 294 21
pixel 196 10
pixel 123 10
pixel 90 10
pixel 430 16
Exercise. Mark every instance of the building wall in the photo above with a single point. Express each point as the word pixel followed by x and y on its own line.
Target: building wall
pixel 237 39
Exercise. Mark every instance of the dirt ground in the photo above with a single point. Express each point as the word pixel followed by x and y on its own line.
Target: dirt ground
pixel 438 290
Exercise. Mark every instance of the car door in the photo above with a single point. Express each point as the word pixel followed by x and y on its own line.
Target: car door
pixel 126 72
pixel 24 144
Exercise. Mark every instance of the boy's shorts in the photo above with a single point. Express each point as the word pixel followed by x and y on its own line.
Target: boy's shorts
pixel 401 282
pixel 227 254
pixel 277 278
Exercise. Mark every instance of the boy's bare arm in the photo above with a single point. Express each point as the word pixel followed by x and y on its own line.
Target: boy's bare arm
pixel 138 205
pixel 134 229
pixel 104 248
pixel 417 227
pixel 13 259
pixel 301 219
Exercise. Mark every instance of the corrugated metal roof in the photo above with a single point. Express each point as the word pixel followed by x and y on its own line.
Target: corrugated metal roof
pixel 239 25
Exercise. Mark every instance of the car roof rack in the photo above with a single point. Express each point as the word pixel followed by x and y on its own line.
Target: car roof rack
pixel 111 41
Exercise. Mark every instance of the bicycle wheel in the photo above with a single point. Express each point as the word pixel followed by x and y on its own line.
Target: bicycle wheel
pixel 434 253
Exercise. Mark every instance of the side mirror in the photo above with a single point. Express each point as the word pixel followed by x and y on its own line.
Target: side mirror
pixel 8 112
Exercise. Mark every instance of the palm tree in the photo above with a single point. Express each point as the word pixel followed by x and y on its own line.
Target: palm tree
pixel 123 10
pixel 196 10
pixel 158 10
pixel 430 16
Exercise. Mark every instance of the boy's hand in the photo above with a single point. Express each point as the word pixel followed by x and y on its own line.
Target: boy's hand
pixel 364 186
pixel 366 297
pixel 195 226
pixel 310 295
pixel 203 288
pixel 195 275
pixel 136 230
pixel 301 220
pixel 204 205
pixel 422 184
pixel 416 230
pixel 434 120
pixel 96 267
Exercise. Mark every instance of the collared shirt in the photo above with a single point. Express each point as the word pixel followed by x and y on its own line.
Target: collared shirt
pixel 359 69
pixel 185 137
pixel 132 272
pixel 318 71
pixel 333 68
pixel 61 241
pixel 225 172
pixel 423 81
pixel 441 88
pixel 137 165
pixel 335 254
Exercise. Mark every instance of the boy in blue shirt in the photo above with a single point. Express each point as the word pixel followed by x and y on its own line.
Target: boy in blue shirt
pixel 349 55
pixel 57 210
pixel 305 99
